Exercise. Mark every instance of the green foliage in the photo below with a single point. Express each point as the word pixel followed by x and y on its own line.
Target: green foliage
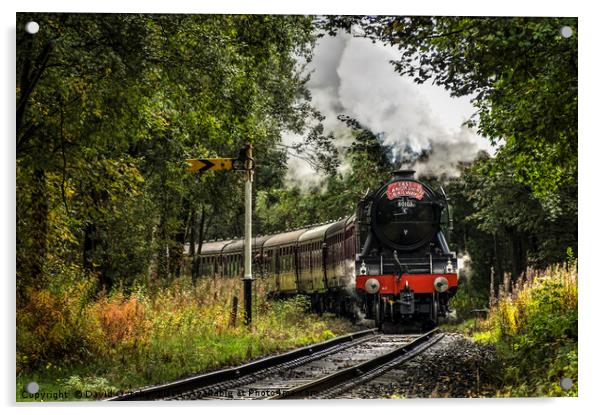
pixel 109 106
pixel 51 326
pixel 108 109
pixel 466 301
pixel 369 159
pixel 502 224
pixel 535 332
pixel 520 72
pixel 91 384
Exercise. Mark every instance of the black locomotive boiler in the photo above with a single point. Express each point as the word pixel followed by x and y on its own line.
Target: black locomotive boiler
pixel 389 260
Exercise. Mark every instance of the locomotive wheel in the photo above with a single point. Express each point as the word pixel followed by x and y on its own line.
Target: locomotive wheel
pixel 435 309
pixel 378 311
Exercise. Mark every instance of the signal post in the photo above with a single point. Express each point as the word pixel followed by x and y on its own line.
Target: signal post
pixel 248 277
pixel 248 164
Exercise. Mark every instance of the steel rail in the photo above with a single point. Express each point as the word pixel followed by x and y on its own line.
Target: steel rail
pixel 182 386
pixel 337 379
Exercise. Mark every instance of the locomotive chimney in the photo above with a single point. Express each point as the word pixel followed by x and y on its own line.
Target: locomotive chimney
pixel 403 174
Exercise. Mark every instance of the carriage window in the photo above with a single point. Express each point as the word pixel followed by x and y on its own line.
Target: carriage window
pixel 284 260
pixel 273 257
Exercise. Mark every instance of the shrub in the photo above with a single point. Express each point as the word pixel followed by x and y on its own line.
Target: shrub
pixel 466 301
pixel 122 321
pixel 535 331
pixel 155 333
pixel 53 325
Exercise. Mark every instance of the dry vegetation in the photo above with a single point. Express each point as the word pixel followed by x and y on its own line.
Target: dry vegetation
pixel 69 341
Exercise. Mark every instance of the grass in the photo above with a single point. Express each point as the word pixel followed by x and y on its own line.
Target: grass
pixel 89 348
pixel 468 305
pixel 467 327
pixel 84 346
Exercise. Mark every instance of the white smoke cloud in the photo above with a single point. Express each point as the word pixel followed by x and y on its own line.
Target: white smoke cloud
pixel 447 151
pixel 353 76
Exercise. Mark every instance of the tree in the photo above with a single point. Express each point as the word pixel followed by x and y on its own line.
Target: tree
pixel 369 158
pixel 502 224
pixel 520 72
pixel 519 207
pixel 336 196
pixel 108 109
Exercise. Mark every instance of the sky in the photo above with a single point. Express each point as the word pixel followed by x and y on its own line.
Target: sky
pixel 353 76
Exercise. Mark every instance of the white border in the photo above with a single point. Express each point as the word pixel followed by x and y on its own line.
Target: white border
pixel 589 177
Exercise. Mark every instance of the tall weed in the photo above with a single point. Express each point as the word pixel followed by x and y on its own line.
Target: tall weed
pixel 157 332
pixel 534 328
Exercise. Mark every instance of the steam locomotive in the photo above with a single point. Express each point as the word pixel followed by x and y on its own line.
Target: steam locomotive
pixel 389 261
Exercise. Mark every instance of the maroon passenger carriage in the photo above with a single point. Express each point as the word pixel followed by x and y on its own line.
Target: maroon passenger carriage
pixel 390 260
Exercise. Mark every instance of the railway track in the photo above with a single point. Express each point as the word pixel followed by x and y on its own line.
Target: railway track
pixel 320 371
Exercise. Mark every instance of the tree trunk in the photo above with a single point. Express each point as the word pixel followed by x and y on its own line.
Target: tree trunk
pixel 162 259
pixel 196 263
pixel 192 234
pixel 492 296
pixel 518 256
pixel 93 244
pixel 175 251
pixel 30 75
pixel 176 248
pixel 89 246
pixel 497 252
pixel 39 200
